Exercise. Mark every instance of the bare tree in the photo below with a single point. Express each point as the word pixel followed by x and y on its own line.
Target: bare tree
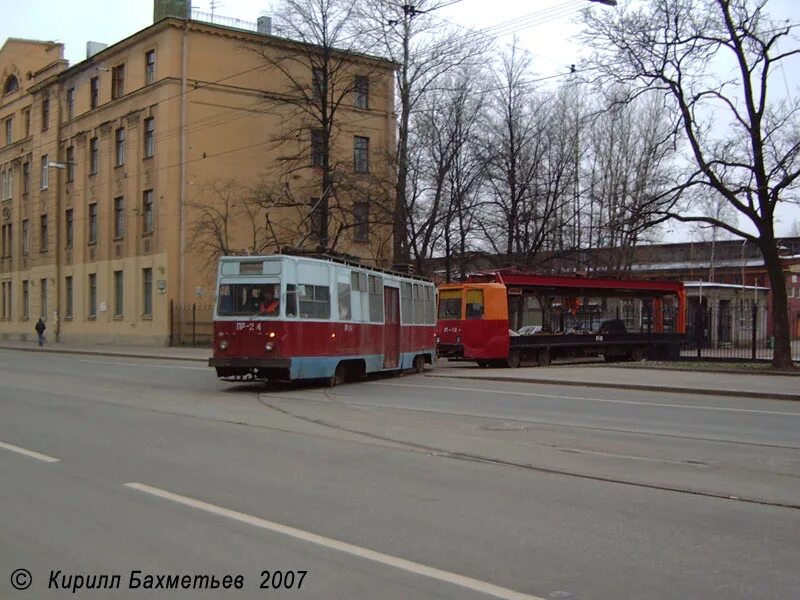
pixel 426 50
pixel 325 77
pixel 227 218
pixel 444 136
pixel 531 160
pixel 743 139
pixel 628 168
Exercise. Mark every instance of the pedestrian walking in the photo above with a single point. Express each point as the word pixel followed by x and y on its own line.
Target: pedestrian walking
pixel 40 327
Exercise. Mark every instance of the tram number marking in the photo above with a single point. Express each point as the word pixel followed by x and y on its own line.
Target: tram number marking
pixel 348 327
pixel 248 326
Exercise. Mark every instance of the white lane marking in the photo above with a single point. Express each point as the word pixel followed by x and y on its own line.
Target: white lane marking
pixel 365 553
pixel 30 453
pixel 603 400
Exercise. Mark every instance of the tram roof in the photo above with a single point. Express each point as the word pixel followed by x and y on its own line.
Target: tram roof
pixel 518 278
pixel 327 258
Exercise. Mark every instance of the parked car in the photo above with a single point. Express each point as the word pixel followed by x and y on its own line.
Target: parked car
pixel 529 329
pixel 612 326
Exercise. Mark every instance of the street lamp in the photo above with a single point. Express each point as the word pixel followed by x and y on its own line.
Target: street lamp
pixel 59 166
pixel 606 2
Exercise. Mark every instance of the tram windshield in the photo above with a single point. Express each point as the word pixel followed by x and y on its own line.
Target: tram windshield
pixel 249 299
pixel 450 304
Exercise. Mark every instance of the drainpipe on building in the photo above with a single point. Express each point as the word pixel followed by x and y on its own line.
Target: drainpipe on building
pixel 57 312
pixel 182 242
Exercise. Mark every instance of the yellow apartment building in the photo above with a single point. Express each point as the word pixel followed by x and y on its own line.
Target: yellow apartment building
pixel 122 177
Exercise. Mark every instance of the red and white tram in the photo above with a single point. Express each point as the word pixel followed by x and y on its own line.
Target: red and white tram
pixel 289 317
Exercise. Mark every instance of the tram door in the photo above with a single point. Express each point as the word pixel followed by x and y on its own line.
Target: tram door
pixel 391 332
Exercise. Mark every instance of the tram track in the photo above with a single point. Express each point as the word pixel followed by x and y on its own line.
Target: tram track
pixel 478 458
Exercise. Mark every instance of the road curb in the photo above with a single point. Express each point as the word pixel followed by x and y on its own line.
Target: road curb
pixel 106 353
pixel 631 386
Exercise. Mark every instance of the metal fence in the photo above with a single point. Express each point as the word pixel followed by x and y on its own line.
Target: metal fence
pixel 730 330
pixel 191 325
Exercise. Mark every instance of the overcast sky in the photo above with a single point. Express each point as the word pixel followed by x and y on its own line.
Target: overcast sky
pixel 544 27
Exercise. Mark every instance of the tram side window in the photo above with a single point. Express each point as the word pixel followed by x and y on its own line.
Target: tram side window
pixel 474 304
pixel 375 299
pixel 430 305
pixel 314 301
pixel 419 305
pixel 343 289
pixel 450 304
pixel 406 308
pixel 291 300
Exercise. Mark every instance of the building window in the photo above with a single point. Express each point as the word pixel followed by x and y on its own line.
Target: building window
pixel 118 293
pixel 43 234
pixel 26 237
pixel 7 240
pixel 68 299
pixel 6 183
pixel 26 121
pixel 147 292
pixel 361 90
pixel 26 177
pixel 361 154
pixel 93 223
pixel 94 156
pixel 361 222
pixel 43 297
pixel 317 148
pixel 94 92
pixel 320 83
pixel 70 163
pixel 92 294
pixel 9 123
pixel 45 114
pixel 69 226
pixel 149 137
pixel 147 212
pixel 119 218
pixel 45 174
pixel 119 145
pixel 26 299
pixel 118 81
pixel 149 67
pixel 6 300
pixel 11 84
pixel 71 103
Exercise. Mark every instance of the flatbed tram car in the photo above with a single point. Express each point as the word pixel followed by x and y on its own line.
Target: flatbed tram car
pixel 285 317
pixel 506 318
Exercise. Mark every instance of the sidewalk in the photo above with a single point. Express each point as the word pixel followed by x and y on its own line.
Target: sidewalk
pixel 154 352
pixel 596 375
pixel 745 385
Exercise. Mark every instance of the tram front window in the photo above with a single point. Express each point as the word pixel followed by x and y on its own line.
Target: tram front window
pixel 249 299
pixel 450 304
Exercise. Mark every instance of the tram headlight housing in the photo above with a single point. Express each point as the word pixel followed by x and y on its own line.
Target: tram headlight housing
pixel 269 346
pixel 223 345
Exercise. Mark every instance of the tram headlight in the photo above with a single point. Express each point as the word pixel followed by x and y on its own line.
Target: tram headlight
pixel 269 346
pixel 223 345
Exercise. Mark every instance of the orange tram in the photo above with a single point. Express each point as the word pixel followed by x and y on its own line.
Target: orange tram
pixel 510 317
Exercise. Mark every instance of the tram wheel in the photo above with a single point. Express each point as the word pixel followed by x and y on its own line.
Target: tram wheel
pixel 338 376
pixel 419 363
pixel 513 360
pixel 544 357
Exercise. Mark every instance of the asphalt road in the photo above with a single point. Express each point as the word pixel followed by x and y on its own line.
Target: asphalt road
pixel 409 487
